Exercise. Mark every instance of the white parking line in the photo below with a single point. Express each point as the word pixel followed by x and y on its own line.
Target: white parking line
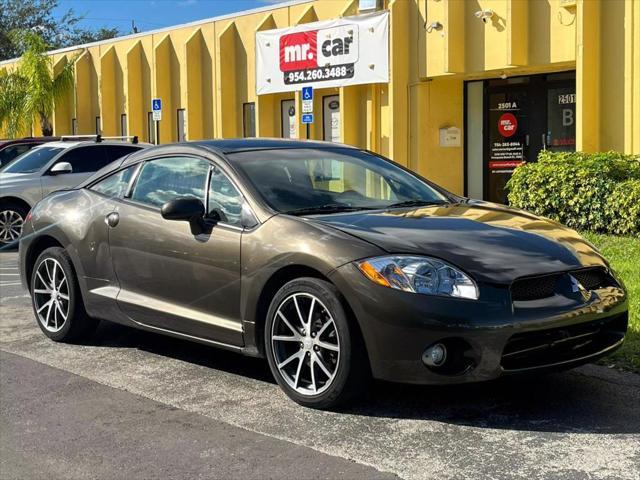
pixel 9 284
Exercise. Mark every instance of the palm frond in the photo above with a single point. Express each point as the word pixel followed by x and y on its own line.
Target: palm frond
pixel 63 82
pixel 14 116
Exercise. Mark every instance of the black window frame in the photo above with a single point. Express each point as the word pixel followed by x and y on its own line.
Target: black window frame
pixel 248 107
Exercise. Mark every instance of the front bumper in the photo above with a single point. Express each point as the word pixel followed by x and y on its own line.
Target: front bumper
pixel 488 337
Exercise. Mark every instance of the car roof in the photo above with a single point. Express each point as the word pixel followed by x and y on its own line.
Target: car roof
pixel 13 141
pixel 68 144
pixel 233 145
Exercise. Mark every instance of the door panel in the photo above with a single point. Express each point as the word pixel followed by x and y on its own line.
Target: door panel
pixel 174 280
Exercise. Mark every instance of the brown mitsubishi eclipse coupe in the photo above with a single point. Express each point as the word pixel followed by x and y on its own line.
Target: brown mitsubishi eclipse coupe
pixel 334 263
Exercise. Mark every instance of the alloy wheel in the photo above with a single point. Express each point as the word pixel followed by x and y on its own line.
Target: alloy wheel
pixel 51 295
pixel 10 226
pixel 305 343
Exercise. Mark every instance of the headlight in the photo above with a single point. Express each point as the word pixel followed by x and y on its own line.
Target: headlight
pixel 419 275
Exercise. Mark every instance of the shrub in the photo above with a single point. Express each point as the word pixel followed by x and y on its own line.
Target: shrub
pixel 623 208
pixel 599 192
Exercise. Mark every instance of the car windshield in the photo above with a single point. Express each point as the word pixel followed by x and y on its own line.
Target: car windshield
pixel 33 160
pixel 307 181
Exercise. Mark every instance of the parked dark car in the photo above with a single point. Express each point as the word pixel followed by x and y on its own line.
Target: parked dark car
pixel 333 262
pixel 10 149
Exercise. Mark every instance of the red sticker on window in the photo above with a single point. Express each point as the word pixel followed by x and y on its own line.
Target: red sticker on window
pixel 507 124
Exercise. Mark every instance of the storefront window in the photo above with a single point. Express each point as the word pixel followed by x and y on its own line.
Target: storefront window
pixel 561 119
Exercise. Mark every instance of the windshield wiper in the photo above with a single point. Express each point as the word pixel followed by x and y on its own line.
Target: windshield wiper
pixel 416 203
pixel 327 208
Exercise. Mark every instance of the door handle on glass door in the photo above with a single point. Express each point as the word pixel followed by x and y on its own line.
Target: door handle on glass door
pixel 112 219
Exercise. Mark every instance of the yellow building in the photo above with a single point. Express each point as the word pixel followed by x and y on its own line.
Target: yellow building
pixel 475 86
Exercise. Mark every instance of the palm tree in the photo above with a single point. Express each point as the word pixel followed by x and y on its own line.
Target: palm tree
pixel 13 101
pixel 32 89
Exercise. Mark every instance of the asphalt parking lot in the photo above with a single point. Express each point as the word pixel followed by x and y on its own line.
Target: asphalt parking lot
pixel 131 404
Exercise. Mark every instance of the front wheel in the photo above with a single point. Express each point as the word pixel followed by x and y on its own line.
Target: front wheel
pixel 314 351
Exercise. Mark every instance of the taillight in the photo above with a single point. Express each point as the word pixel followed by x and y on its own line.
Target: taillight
pixel 29 215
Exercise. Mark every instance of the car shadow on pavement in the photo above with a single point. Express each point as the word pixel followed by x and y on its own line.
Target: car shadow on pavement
pixel 565 402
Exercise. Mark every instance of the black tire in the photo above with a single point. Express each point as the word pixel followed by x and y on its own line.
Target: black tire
pixel 352 372
pixel 77 326
pixel 10 208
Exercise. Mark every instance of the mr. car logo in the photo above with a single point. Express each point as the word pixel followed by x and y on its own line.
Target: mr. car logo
pixel 317 55
pixel 507 124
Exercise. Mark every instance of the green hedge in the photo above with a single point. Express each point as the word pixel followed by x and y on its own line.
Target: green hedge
pixel 599 192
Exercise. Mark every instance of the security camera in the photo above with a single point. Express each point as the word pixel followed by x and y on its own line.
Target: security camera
pixel 484 15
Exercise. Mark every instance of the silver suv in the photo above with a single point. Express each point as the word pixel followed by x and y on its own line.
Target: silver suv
pixel 50 167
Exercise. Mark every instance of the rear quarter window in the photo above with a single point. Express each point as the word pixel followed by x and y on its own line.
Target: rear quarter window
pixel 115 185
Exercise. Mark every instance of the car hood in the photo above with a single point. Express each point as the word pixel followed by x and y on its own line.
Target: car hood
pixel 493 243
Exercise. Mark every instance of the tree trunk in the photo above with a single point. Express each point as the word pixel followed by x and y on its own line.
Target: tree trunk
pixel 45 124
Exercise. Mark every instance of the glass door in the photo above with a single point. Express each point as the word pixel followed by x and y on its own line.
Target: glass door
pixel 508 138
pixel 523 116
pixel 288 119
pixel 331 118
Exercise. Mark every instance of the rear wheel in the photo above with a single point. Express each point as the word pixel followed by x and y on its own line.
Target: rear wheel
pixel 314 351
pixel 56 298
pixel 12 218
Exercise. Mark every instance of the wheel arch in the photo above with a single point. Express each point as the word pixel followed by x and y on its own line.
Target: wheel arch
pixel 15 201
pixel 276 281
pixel 36 247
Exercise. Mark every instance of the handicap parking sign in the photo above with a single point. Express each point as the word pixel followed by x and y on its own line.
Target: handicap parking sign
pixel 307 93
pixel 156 108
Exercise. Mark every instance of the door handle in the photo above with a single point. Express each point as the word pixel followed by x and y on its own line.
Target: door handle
pixel 112 219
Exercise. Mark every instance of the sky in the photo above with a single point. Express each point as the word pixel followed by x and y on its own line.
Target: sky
pixel 151 14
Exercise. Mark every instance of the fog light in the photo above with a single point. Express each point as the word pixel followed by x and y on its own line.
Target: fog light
pixel 435 355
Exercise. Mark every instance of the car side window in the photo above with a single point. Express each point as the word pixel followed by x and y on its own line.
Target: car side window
pixel 224 199
pixel 164 179
pixel 114 152
pixel 86 159
pixel 115 185
pixel 12 151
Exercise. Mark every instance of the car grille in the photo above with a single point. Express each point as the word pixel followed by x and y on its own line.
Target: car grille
pixel 592 278
pixel 534 288
pixel 544 286
pixel 548 347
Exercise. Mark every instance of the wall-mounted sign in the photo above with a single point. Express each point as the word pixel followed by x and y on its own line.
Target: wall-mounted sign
pixel 450 137
pixel 331 53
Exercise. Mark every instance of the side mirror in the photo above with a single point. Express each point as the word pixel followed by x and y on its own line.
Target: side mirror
pixel 60 168
pixel 186 209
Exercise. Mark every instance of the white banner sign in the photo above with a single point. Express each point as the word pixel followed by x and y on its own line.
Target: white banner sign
pixel 332 53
